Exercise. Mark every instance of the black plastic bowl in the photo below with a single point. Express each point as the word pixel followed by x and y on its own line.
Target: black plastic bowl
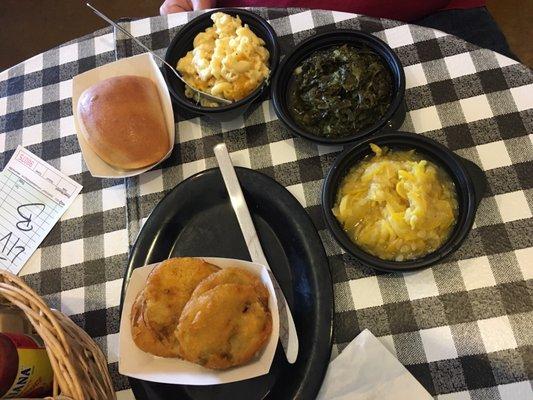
pixel 468 178
pixel 394 115
pixel 183 42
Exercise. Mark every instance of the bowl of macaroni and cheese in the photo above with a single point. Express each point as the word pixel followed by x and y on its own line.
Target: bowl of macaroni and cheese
pixel 400 201
pixel 228 53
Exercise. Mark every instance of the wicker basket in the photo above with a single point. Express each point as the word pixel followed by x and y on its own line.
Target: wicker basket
pixel 80 368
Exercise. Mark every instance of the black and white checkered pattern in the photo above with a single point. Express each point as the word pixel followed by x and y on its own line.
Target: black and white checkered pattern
pixel 463 327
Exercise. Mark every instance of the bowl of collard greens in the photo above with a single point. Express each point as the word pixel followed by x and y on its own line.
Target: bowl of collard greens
pixel 340 86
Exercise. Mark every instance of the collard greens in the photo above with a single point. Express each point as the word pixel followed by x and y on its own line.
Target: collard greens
pixel 340 91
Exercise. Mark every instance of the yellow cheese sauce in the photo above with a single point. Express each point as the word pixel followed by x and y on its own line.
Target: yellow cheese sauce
pixel 396 205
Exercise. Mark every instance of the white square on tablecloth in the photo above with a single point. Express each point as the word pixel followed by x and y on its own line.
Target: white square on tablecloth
pixel 71 164
pixel 339 16
pixel 241 158
pixel 32 135
pixel 66 126
pixel 73 301
pixel 192 167
pixel 493 155
pixel 366 292
pixel 140 27
pixel 151 182
pixel 268 111
pixel 399 36
pixel 113 290
pixel 516 391
pixel 476 108
pixel 104 43
pixel 33 64
pixel 504 61
pixel 525 261
pixel 113 197
pixel 176 19
pixel 464 395
pixel 420 284
pixel 68 53
pixel 513 206
pixel 523 97
pixel 32 98
pixel 301 21
pixel 414 76
pixel 425 119
pixel 3 105
pixel 75 210
pixel 298 192
pixel 115 243
pixel 497 334
pixel 460 65
pixel 283 152
pixel 33 265
pixel 72 252
pixel 65 89
pixel 438 343
pixel 189 130
pixel 476 273
pixel 112 346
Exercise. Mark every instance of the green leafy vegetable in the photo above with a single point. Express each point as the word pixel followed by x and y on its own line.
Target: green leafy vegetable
pixel 340 91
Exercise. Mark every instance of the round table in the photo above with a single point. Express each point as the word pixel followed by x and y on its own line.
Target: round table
pixel 462 328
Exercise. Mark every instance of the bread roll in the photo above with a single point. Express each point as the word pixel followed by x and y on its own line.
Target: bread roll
pixel 123 122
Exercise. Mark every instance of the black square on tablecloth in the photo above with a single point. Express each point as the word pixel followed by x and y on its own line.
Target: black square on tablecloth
pixel 516 297
pixel 94 272
pixel 286 44
pixel 286 174
pixel 51 111
pixel 50 281
pixel 524 173
pixel 503 180
pixel 90 183
pixel 14 121
pixel 401 317
pixel 256 135
pixel 510 125
pixel 492 80
pixel 15 85
pixel 317 216
pixel 458 136
pixel 337 269
pixel 95 322
pixel 93 224
pixel 54 236
pixel 86 64
pixel 345 328
pixel 508 366
pixel 275 13
pixel 51 149
pixel 442 91
pixel 370 25
pixel 51 75
pixel 457 307
pixel 477 371
pixel 160 39
pixel 310 169
pixel 422 374
pixel 495 239
pixel 429 50
pixel 447 376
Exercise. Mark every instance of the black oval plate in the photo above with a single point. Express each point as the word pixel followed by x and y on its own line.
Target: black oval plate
pixel 196 219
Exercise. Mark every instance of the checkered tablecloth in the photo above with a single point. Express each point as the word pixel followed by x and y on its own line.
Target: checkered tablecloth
pixel 463 327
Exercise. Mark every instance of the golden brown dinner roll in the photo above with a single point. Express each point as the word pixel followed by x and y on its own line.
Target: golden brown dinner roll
pixel 123 122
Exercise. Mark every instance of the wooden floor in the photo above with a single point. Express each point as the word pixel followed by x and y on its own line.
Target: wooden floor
pixel 28 27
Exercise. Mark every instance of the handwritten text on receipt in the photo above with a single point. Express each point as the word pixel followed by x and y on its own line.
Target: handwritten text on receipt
pixel 33 196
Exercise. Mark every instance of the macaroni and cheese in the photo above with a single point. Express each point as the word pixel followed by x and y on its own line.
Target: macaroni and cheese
pixel 228 60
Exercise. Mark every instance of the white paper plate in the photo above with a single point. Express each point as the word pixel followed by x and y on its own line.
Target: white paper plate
pixel 138 364
pixel 140 65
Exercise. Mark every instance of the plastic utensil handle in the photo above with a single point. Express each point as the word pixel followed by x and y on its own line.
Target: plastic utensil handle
pixel 288 335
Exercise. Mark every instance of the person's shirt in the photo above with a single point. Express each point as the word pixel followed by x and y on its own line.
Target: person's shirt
pixel 403 10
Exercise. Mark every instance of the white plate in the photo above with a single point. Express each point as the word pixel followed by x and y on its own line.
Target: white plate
pixel 140 65
pixel 138 364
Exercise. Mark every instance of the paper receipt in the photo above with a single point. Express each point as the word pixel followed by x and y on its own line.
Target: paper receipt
pixel 33 196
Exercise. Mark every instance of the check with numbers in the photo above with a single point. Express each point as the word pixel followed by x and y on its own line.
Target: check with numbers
pixel 33 196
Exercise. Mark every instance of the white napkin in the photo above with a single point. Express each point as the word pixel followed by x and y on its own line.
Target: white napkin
pixel 367 370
